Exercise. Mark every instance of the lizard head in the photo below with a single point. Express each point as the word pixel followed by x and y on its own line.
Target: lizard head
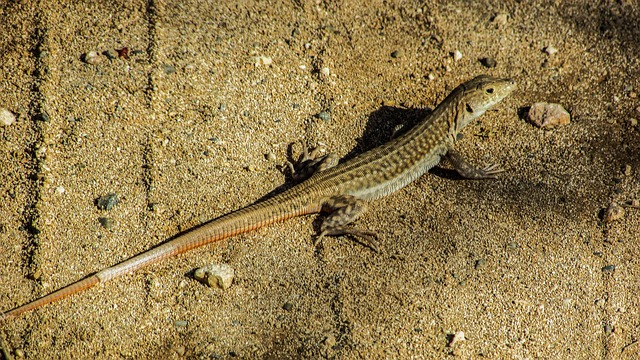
pixel 478 95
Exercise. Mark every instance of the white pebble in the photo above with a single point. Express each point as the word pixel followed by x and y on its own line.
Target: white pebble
pixel 261 60
pixel 6 117
pixel 613 212
pixel 457 55
pixel 431 77
pixel 550 50
pixel 458 336
pixel 501 18
pixel 218 275
pixel 93 58
pixel 324 71
pixel 60 190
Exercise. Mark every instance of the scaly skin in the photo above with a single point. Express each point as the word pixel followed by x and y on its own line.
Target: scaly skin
pixel 342 190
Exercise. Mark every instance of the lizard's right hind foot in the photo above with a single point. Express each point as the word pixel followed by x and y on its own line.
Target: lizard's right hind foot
pixel 344 210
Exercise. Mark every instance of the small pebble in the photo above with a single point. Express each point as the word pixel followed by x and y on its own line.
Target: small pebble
pixel 457 55
pixel 181 323
pixel 488 62
pixel 270 156
pixel 155 207
pixel 60 190
pixel 218 275
pixel 106 222
pixel 123 53
pixel 6 117
pixel 627 170
pixel 550 50
pixel 287 306
pixel 107 202
pixel 396 54
pixel 324 115
pixel 546 116
pixel 457 337
pixel 613 212
pixel 330 341
pixel 501 19
pixel 431 77
pixel 168 69
pixel 325 71
pixel 633 122
pixel 92 58
pixel 261 60
pixel 480 263
pixel 180 350
pixel 36 275
pixel 608 268
pixel 223 107
pixel 638 109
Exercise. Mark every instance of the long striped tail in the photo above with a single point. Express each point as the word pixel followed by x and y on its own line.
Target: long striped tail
pixel 244 220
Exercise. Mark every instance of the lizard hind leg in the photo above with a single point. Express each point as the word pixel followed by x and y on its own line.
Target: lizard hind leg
pixel 344 210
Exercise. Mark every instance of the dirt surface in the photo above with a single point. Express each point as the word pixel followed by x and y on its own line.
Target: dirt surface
pixel 188 127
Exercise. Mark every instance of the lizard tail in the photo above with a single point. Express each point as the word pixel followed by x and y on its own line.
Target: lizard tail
pixel 250 218
pixel 54 296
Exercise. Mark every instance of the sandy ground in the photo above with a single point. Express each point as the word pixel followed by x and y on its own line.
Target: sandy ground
pixel 188 128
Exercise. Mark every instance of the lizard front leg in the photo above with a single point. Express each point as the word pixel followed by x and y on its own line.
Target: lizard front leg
pixel 465 169
pixel 344 210
pixel 311 163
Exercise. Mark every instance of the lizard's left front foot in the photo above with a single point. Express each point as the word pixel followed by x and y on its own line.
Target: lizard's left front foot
pixel 469 171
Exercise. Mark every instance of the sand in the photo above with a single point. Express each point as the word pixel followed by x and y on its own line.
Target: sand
pixel 197 121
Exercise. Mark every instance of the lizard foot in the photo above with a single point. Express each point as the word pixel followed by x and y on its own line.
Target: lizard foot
pixel 311 163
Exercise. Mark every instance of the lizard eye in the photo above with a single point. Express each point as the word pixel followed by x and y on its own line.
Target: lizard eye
pixel 490 91
pixel 469 108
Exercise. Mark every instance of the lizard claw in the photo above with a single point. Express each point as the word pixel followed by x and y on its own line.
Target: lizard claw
pixel 490 172
pixel 311 163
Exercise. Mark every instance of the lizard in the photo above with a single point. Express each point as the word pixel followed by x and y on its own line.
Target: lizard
pixel 340 189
